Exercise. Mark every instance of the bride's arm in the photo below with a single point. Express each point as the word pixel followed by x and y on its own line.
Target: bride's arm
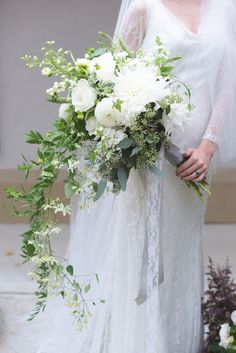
pixel 135 24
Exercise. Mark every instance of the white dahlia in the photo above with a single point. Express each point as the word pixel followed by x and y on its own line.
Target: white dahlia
pixel 136 86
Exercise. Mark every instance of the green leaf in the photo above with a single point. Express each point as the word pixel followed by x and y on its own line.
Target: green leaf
pixel 59 270
pixel 87 288
pixel 100 190
pixel 33 137
pixel 68 190
pixel 47 175
pixel 157 171
pixel 70 270
pixel 30 249
pixel 122 176
pixel 126 143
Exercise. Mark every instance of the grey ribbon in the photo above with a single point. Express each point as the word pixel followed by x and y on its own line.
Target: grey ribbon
pixel 174 155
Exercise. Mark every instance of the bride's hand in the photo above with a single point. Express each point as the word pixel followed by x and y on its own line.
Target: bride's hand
pixel 196 167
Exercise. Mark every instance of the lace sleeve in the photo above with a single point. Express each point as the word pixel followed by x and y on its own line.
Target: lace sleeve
pixel 222 97
pixel 135 25
pixel 224 88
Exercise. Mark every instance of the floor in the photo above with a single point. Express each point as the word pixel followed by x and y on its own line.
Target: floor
pixel 16 290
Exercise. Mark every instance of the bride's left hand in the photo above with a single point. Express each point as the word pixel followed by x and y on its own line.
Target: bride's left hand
pixel 197 164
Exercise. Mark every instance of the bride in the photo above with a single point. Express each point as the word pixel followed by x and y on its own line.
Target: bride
pixel 146 243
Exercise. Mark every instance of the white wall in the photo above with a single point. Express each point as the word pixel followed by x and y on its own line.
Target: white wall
pixel 25 25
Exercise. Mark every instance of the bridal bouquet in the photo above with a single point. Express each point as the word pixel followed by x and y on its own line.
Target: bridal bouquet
pixel 117 109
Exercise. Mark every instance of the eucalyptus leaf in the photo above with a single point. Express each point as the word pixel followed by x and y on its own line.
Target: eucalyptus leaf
pixel 87 288
pixel 68 190
pixel 100 189
pixel 70 270
pixel 126 143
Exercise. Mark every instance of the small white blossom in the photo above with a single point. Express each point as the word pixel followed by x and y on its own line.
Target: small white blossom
pixel 91 125
pixel 73 164
pixel 224 335
pixel 83 61
pixel 114 136
pixel 63 110
pixel 46 71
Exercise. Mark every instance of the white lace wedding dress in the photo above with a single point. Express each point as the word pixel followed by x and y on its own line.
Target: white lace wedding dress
pixel 109 240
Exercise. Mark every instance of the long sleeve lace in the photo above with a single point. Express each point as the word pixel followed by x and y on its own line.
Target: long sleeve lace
pixel 224 89
pixel 223 96
pixel 135 24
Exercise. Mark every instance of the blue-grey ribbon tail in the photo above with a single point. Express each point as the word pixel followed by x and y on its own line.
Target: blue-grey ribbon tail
pixel 174 154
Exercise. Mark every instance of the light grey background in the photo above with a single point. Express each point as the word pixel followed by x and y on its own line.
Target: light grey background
pixel 25 25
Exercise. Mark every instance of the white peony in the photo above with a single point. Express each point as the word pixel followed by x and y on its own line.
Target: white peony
pixel 224 335
pixel 104 67
pixel 233 317
pixel 178 115
pixel 136 86
pixel 91 125
pixel 63 110
pixel 105 113
pixel 83 96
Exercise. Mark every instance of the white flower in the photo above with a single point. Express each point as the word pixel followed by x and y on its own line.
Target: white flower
pixel 114 136
pixel 224 335
pixel 105 113
pixel 83 61
pixel 233 317
pixel 63 110
pixel 178 115
pixel 83 96
pixel 104 67
pixel 46 71
pixel 72 165
pixel 91 125
pixel 121 55
pixel 136 86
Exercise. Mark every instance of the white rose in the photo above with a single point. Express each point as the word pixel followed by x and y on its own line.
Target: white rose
pixel 224 335
pixel 233 317
pixel 83 96
pixel 105 112
pixel 46 71
pixel 178 115
pixel 104 67
pixel 63 110
pixel 91 125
